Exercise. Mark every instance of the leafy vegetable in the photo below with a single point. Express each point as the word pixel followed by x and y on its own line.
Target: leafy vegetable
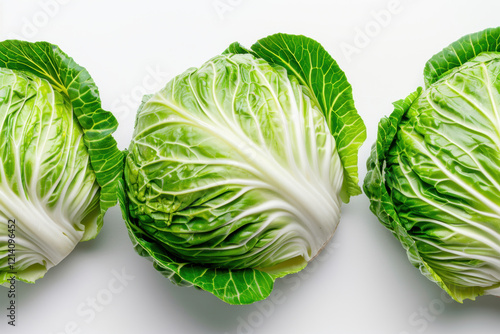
pixel 433 175
pixel 59 164
pixel 236 170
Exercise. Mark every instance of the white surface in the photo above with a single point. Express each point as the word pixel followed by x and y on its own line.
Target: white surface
pixel 365 285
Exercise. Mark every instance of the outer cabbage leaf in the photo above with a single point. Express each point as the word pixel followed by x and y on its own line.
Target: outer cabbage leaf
pixel 313 66
pixel 460 52
pixel 232 179
pixel 381 203
pixel 59 162
pixel 243 286
pixel 434 180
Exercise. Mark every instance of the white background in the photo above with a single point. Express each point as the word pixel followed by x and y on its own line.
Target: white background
pixel 365 285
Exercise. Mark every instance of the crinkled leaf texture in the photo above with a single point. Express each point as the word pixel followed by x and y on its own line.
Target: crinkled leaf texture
pixel 234 176
pixel 59 164
pixel 433 175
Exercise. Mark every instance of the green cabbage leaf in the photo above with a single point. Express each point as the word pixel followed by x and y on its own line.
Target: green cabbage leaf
pixel 433 175
pixel 237 169
pixel 59 164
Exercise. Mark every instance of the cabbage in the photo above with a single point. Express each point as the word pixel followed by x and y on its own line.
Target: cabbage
pixel 237 169
pixel 58 162
pixel 434 173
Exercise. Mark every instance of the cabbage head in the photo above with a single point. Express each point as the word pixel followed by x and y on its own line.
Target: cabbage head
pixel 237 169
pixel 59 165
pixel 434 173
